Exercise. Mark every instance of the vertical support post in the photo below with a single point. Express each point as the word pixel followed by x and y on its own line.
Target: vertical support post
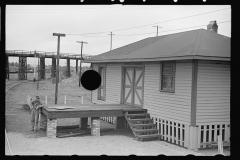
pixel 65 99
pixel 120 122
pixel 76 66
pixel 80 71
pixel 46 99
pixel 220 145
pixel 51 128
pixel 7 68
pixel 22 68
pixel 83 123
pixel 68 67
pixel 95 129
pixel 57 73
pixel 82 100
pixel 26 69
pixel 193 138
pixel 42 68
pixel 53 73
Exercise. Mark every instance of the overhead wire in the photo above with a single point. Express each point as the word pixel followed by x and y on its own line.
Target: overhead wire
pixel 159 32
pixel 152 23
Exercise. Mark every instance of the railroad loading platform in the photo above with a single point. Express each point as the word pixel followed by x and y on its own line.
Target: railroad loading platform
pixel 95 111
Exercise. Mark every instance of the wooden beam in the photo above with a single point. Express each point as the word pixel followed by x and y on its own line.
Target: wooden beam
pixel 77 114
pixel 194 92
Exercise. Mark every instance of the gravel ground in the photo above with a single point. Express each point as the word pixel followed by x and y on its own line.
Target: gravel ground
pixel 23 141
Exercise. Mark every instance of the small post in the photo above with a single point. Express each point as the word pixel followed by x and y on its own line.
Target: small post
pixel 65 100
pixel 82 100
pixel 220 145
pixel 111 41
pixel 46 99
pixel 157 29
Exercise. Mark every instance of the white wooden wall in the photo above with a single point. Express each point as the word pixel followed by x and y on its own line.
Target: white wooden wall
pixel 113 85
pixel 213 93
pixel 176 106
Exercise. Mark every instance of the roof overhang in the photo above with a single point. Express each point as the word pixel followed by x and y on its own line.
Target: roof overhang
pixel 159 59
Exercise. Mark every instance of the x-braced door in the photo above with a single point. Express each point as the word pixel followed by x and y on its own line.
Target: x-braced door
pixel 133 86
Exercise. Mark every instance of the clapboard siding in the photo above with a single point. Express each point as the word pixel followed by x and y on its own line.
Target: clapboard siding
pixel 113 85
pixel 213 93
pixel 170 106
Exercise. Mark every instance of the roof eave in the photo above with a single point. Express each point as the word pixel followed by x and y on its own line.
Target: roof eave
pixel 159 59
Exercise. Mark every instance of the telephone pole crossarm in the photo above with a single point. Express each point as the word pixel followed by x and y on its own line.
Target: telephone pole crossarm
pixel 111 40
pixel 157 28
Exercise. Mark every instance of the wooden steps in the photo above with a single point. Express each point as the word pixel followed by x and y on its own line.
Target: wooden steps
pixel 145 130
pixel 142 126
pixel 135 121
pixel 138 115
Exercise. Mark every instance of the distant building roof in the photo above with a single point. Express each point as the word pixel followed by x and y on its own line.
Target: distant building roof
pixel 195 44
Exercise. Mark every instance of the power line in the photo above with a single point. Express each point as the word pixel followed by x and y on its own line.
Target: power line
pixel 50 43
pixel 172 19
pixel 161 31
pixel 153 23
pixel 174 29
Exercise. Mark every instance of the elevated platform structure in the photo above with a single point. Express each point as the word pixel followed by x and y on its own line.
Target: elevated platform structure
pixel 50 114
pixel 24 53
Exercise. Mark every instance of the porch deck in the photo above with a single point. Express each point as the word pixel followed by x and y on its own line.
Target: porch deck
pixel 87 110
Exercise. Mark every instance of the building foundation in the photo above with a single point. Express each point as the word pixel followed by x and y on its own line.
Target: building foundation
pixel 95 129
pixel 51 128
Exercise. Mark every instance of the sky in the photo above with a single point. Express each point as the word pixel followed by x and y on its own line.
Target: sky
pixel 31 27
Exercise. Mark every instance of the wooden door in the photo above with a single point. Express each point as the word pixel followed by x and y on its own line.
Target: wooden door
pixel 138 87
pixel 133 86
pixel 128 86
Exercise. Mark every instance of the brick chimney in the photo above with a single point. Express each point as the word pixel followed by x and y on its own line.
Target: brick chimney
pixel 212 26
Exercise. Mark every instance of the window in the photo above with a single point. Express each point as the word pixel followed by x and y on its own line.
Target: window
pixel 167 76
pixel 102 87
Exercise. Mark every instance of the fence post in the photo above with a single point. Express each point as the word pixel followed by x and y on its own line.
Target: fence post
pixel 46 99
pixel 220 145
pixel 82 99
pixel 65 100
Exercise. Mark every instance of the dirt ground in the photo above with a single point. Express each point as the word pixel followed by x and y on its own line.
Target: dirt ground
pixel 23 141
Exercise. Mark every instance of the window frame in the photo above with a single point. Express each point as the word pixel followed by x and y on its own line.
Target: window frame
pixel 171 90
pixel 102 97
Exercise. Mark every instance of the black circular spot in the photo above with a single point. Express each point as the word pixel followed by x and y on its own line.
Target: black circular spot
pixel 91 80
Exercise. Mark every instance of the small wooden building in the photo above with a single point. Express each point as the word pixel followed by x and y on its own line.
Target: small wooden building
pixel 182 79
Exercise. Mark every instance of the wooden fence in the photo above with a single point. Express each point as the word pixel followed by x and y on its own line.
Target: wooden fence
pixel 178 133
pixel 172 132
pixel 209 133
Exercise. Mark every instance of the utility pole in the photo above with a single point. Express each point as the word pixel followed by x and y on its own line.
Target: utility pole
pixel 34 68
pixel 38 73
pixel 57 73
pixel 111 40
pixel 80 72
pixel 157 29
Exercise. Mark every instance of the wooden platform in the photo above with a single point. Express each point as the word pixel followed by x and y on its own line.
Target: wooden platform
pixel 87 110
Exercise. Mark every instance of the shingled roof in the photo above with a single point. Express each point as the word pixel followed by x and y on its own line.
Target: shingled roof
pixel 195 44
